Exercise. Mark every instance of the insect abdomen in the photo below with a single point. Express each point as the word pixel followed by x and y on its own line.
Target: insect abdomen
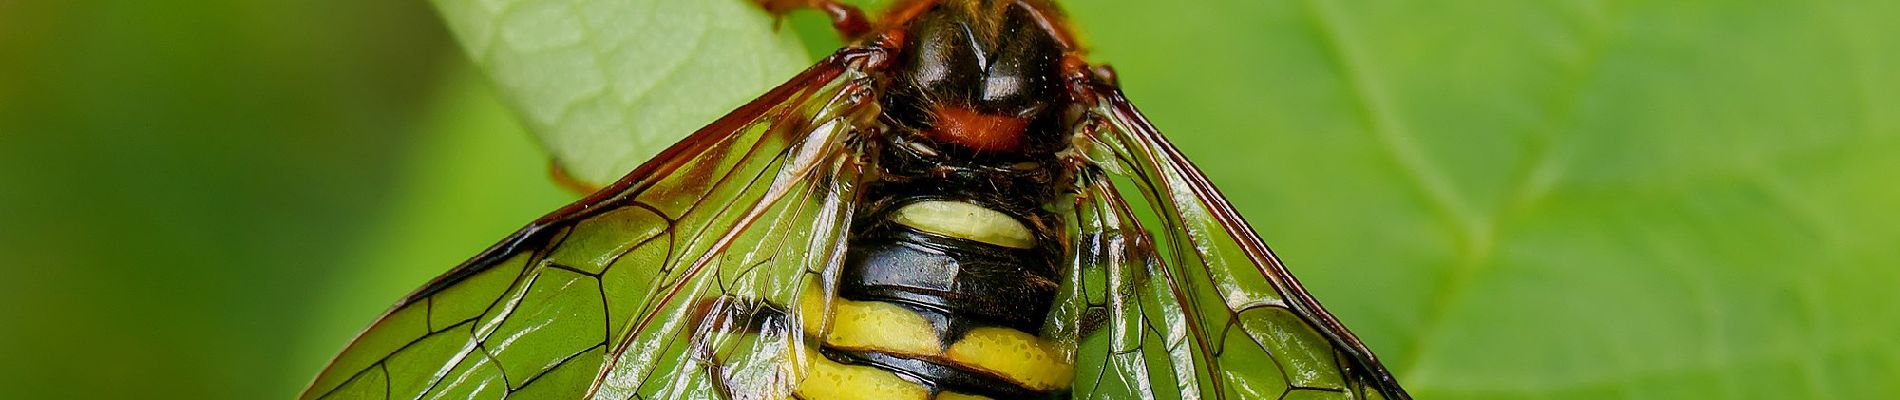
pixel 941 299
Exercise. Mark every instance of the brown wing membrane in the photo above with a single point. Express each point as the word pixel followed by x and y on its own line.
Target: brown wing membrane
pixel 1197 305
pixel 638 290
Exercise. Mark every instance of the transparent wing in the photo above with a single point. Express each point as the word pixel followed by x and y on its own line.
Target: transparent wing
pixel 663 285
pixel 1175 296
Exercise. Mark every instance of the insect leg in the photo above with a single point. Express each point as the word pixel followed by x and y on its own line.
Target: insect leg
pixel 848 20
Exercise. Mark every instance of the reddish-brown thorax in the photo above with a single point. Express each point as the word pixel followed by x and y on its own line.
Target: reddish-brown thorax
pixel 977 130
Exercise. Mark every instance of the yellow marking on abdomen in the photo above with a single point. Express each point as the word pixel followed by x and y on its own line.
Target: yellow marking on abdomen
pixel 1015 356
pixel 881 326
pixel 829 380
pixel 963 220
pixel 869 325
pixel 960 396
pixel 1022 358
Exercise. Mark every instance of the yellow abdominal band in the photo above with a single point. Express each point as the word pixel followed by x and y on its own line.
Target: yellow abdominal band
pixel 965 221
pixel 1016 356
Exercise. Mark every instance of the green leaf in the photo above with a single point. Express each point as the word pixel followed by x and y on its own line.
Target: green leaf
pixel 1579 200
pixel 1505 199
pixel 606 84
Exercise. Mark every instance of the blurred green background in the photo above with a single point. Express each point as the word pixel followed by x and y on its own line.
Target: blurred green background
pixel 187 189
pixel 1505 199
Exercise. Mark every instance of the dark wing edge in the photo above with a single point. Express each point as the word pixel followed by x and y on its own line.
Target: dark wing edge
pixel 1123 137
pixel 677 163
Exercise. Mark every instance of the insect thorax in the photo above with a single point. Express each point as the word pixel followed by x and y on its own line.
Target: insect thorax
pixel 977 79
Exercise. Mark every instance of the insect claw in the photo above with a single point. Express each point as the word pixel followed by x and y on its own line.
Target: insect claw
pixel 1106 74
